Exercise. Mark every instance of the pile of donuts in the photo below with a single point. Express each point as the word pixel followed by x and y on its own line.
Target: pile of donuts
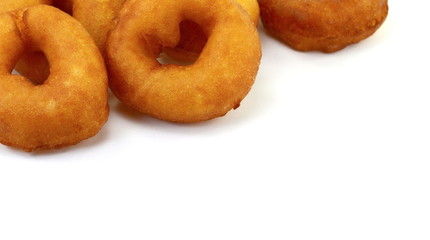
pixel 69 53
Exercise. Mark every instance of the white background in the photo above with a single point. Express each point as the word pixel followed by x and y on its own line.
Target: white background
pixel 326 146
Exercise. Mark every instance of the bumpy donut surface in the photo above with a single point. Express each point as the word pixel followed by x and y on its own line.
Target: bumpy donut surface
pixel 193 39
pixel 212 86
pixel 71 105
pixel 322 25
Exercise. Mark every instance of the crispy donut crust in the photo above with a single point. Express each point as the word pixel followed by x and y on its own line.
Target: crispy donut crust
pixel 95 15
pixel 216 83
pixel 322 25
pixel 71 105
pixel 193 39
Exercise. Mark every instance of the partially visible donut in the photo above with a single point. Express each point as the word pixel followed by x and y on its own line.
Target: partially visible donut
pixel 71 105
pixel 96 15
pixel 215 84
pixel 193 39
pixel 322 25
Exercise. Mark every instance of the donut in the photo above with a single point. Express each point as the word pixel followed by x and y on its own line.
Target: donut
pixel 71 105
pixel 95 15
pixel 322 25
pixel 209 88
pixel 10 5
pixel 193 39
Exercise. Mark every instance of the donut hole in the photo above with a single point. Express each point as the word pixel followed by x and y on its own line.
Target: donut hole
pixel 34 66
pixel 192 42
pixel 166 58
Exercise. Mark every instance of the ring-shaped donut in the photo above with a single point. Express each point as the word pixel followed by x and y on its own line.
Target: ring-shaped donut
pixel 323 25
pixel 71 105
pixel 216 83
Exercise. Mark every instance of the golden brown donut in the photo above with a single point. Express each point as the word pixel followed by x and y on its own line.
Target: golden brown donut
pixel 71 105
pixel 95 15
pixel 322 25
pixel 212 86
pixel 193 39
